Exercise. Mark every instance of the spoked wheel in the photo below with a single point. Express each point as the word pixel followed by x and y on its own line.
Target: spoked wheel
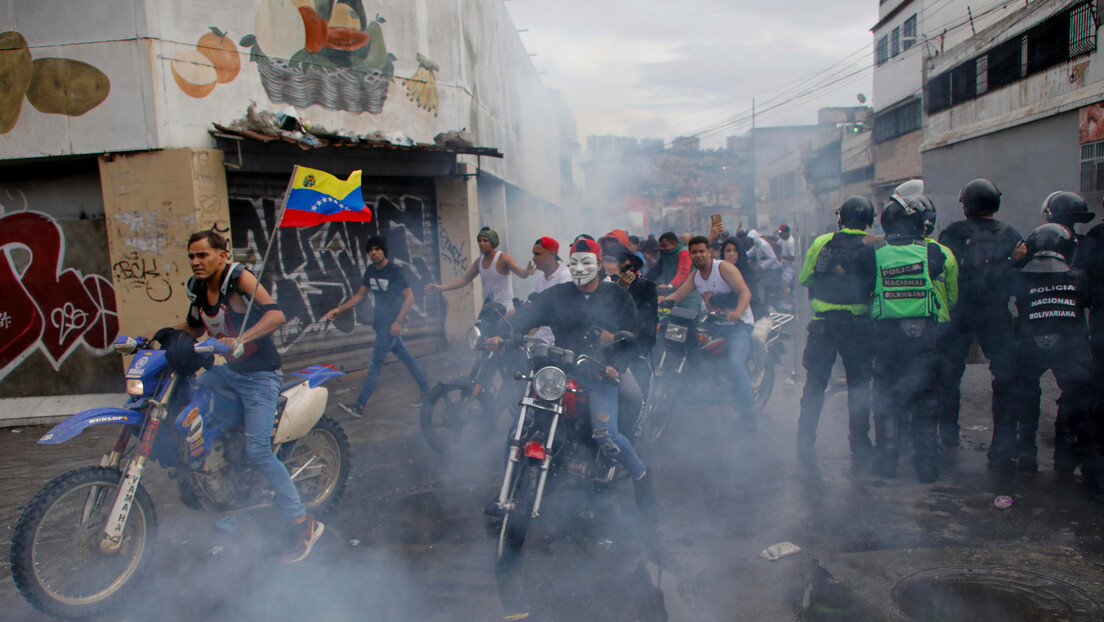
pixel 657 409
pixel 319 465
pixel 515 524
pixel 762 381
pixel 449 410
pixel 58 557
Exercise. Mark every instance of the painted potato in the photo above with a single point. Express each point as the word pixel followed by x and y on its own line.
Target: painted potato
pixel 16 68
pixel 66 86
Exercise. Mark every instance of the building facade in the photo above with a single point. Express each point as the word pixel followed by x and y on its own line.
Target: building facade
pixel 1020 103
pixel 123 136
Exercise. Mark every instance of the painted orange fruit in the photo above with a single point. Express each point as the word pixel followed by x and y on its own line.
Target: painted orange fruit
pixel 221 50
pixel 316 29
pixel 194 73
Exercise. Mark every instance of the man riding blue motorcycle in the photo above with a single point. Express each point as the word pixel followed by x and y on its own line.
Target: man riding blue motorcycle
pixel 220 292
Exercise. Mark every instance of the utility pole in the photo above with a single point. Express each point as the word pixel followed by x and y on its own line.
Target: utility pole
pixel 752 218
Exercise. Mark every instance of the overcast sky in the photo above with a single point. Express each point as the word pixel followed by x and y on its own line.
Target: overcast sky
pixel 646 68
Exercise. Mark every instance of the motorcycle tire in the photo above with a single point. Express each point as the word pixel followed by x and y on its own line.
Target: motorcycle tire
pixel 515 524
pixel 321 484
pixel 761 392
pixel 56 560
pixel 657 409
pixel 448 409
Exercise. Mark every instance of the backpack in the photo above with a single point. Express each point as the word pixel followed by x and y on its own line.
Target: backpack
pixel 982 250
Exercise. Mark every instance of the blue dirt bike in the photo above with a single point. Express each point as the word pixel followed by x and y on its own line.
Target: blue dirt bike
pixel 87 536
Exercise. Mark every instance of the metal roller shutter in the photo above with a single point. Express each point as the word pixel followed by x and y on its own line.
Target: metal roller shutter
pixel 313 269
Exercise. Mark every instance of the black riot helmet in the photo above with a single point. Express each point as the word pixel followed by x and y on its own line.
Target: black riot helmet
pixel 1066 208
pixel 929 216
pixel 979 197
pixel 855 212
pixel 1052 240
pixel 904 220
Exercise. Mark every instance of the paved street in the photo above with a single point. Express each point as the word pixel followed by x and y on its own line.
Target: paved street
pixel 409 541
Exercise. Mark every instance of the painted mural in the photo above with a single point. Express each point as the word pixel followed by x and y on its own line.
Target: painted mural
pixel 1092 123
pixel 309 52
pixel 314 269
pixel 52 85
pixel 44 307
pixel 213 61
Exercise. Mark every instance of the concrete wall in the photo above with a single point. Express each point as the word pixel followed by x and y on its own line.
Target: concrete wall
pixel 898 159
pixel 58 310
pixel 164 77
pixel 1053 164
pixel 457 225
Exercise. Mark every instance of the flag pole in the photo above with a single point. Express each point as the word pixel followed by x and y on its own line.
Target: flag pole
pixel 239 347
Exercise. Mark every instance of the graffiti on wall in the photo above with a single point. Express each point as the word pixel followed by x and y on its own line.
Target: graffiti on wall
pixel 44 307
pixel 313 269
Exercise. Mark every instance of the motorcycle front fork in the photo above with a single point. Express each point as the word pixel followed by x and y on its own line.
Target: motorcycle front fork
pixel 128 488
pixel 515 457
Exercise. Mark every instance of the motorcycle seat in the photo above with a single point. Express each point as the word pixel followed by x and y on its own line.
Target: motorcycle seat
pixel 294 381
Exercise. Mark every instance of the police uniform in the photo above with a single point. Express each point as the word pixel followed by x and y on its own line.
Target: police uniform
pixel 839 269
pixel 982 248
pixel 905 312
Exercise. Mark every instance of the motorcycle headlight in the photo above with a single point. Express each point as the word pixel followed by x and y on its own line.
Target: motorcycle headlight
pixel 550 383
pixel 135 387
pixel 677 332
pixel 474 335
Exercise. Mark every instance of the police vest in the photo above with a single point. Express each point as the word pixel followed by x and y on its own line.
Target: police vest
pixel 840 276
pixel 1051 302
pixel 903 287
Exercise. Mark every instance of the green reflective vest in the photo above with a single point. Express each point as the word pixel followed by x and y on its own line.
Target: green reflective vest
pixel 903 287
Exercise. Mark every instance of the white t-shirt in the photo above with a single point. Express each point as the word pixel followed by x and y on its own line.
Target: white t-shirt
pixel 715 284
pixel 540 283
pixel 497 287
pixel 787 247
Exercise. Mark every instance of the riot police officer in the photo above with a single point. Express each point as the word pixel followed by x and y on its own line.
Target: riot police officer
pixel 905 311
pixel 839 272
pixel 1052 333
pixel 1069 210
pixel 986 250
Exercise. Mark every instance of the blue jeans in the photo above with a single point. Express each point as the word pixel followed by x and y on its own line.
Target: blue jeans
pixel 602 395
pixel 386 343
pixel 258 391
pixel 739 342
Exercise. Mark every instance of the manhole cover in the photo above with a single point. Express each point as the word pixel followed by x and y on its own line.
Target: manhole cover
pixel 991 593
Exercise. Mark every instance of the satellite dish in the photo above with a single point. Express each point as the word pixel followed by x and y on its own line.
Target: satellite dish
pixel 861 98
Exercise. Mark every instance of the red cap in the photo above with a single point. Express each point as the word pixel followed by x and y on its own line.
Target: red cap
pixel 619 235
pixel 549 244
pixel 587 246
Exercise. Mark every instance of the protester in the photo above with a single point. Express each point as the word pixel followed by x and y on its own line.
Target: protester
pixel 392 299
pixel 493 267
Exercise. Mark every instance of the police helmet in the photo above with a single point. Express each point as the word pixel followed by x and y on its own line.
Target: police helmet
pixel 855 212
pixel 903 219
pixel 1052 240
pixel 979 197
pixel 1066 208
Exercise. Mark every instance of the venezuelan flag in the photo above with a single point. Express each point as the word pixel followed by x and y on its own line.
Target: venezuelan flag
pixel 317 197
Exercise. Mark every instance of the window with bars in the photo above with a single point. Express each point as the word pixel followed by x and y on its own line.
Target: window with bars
pixel 898 121
pixel 881 52
pixel 1092 167
pixel 1064 36
pixel 895 41
pixel 908 32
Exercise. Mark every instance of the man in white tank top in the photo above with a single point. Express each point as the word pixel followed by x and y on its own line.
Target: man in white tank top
pixel 716 281
pixel 493 267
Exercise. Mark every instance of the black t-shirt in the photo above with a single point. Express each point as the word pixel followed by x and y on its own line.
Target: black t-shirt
pixel 387 285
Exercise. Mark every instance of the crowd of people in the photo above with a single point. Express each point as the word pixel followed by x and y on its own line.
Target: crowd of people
pixel 900 310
